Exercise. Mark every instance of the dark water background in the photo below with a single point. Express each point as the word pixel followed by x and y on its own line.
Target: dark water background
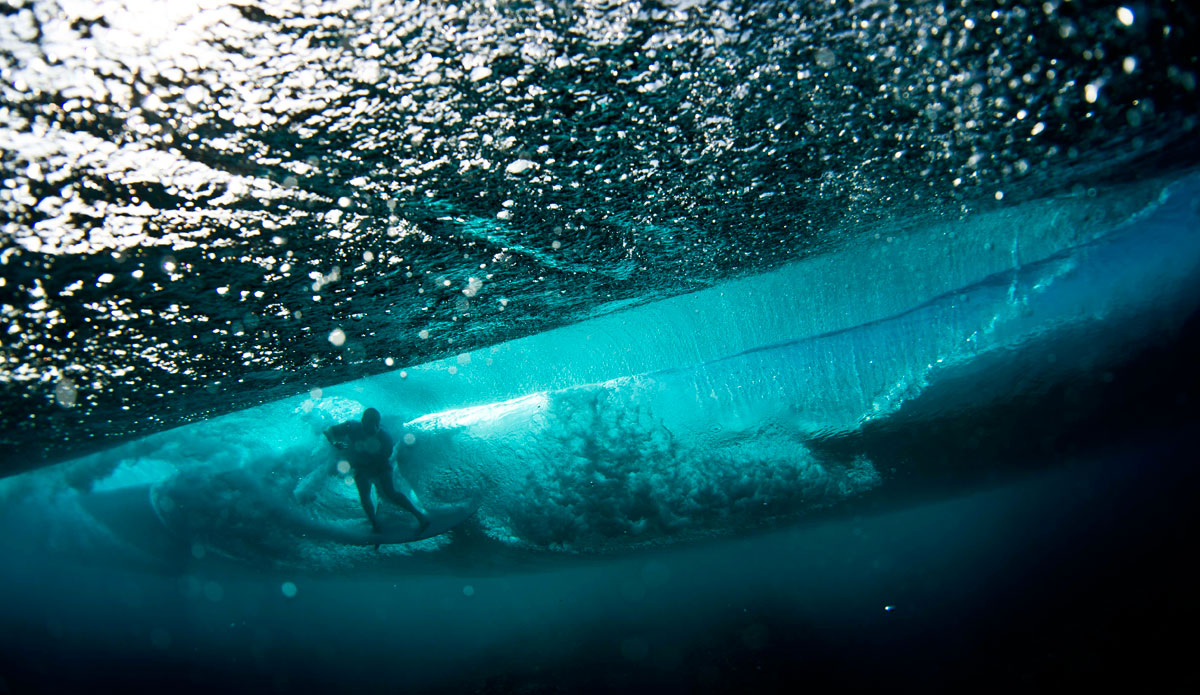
pixel 1048 584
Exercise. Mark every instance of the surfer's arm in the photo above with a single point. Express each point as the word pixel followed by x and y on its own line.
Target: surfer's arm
pixel 335 435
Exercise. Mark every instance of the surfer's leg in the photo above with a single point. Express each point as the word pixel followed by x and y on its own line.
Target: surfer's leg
pixel 387 490
pixel 364 495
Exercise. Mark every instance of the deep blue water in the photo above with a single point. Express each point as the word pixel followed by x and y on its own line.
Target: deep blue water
pixel 775 345
pixel 1074 578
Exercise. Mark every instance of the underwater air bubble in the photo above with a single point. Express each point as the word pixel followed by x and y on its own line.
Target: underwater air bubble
pixel 213 591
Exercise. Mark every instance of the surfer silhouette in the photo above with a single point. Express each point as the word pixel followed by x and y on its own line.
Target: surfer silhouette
pixel 368 449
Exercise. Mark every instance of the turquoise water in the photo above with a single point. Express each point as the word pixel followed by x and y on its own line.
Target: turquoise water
pixel 774 345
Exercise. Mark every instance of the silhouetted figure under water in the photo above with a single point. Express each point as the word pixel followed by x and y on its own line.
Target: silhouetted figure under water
pixel 368 450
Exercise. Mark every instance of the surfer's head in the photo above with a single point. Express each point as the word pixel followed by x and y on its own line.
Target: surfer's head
pixel 370 419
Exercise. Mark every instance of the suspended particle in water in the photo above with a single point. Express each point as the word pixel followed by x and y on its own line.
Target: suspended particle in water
pixel 389 361
pixel 288 589
pixel 826 58
pixel 65 393
pixel 343 467
pixel 468 590
pixel 1125 16
pixel 337 337
pixel 410 439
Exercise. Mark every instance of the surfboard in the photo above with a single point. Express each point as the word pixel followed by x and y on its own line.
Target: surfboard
pixel 407 529
pixel 207 506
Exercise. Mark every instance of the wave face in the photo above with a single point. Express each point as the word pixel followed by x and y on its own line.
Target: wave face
pixel 690 418
pixel 229 204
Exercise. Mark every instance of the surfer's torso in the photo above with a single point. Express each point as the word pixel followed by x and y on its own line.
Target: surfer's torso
pixel 367 452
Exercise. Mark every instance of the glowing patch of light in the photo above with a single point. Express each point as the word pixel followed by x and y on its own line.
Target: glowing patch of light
pixel 489 412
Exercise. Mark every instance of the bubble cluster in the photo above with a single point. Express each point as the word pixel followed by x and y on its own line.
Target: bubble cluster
pixel 620 479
